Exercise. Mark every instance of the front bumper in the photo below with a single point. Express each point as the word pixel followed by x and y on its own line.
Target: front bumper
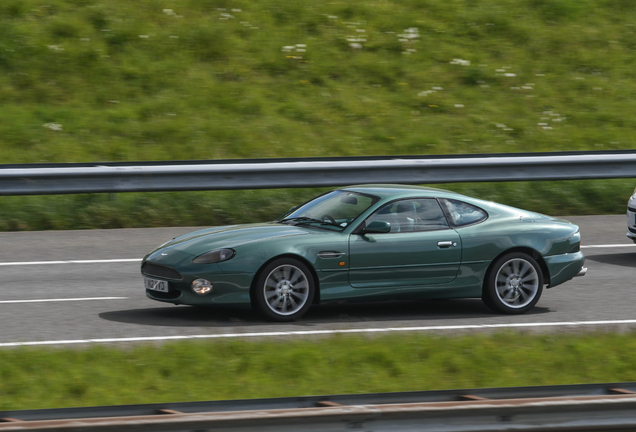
pixel 229 289
pixel 631 219
pixel 179 271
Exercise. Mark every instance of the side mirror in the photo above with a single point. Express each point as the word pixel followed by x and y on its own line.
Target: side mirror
pixel 377 227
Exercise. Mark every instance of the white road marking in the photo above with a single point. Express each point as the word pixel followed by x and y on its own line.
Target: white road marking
pixel 320 332
pixel 108 261
pixel 61 300
pixel 609 246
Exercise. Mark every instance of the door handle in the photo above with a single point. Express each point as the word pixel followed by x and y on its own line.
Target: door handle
pixel 445 244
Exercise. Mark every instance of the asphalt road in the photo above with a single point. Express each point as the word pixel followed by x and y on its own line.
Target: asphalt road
pixel 50 293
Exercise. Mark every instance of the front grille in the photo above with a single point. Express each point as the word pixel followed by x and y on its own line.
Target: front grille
pixel 152 269
pixel 631 209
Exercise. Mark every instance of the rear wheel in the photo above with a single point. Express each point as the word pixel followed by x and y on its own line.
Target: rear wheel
pixel 284 290
pixel 514 284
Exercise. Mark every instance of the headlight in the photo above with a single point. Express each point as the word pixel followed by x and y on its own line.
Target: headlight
pixel 214 256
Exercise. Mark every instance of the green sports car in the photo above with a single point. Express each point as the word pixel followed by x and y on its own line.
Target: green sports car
pixel 371 242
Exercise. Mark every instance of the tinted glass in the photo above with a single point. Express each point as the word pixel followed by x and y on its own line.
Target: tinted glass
pixel 412 215
pixel 462 214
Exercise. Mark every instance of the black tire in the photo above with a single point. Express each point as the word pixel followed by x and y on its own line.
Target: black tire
pixel 284 290
pixel 514 284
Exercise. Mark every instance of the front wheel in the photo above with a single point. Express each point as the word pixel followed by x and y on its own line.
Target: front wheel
pixel 284 290
pixel 513 284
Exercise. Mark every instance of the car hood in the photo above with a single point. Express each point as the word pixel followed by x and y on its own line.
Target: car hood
pixel 202 241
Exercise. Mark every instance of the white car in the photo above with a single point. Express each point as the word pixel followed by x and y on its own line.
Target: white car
pixel 631 217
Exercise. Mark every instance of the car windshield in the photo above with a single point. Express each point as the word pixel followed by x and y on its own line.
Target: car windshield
pixel 334 210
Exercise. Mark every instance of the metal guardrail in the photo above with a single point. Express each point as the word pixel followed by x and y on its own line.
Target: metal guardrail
pixel 36 179
pixel 589 407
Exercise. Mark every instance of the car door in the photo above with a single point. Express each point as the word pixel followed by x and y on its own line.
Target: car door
pixel 419 249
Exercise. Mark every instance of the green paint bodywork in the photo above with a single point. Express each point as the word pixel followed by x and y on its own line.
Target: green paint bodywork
pixel 373 266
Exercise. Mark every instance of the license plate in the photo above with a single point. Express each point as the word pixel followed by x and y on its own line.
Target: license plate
pixel 156 284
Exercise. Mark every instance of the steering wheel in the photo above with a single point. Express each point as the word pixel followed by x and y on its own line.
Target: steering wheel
pixel 329 218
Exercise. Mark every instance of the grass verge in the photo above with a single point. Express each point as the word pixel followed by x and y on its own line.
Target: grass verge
pixel 139 210
pixel 189 371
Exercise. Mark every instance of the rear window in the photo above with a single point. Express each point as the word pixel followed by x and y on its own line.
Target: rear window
pixel 462 214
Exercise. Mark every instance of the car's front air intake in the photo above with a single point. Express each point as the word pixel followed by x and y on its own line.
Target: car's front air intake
pixel 160 271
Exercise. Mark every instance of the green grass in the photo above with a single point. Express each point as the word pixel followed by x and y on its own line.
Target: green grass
pixel 137 210
pixel 96 80
pixel 33 378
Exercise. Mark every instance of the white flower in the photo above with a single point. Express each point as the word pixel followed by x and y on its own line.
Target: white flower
pixel 460 62
pixel 510 75
pixel 55 48
pixel 144 36
pixel 355 45
pixel 301 46
pixel 53 126
pixel 459 105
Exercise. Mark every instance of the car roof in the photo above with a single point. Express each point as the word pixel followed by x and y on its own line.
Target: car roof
pixel 397 191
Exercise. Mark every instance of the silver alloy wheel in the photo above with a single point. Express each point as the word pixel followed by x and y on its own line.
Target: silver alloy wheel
pixel 286 289
pixel 517 283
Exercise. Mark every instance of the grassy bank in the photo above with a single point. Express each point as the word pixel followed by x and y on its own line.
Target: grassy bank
pixel 137 210
pixel 45 378
pixel 96 80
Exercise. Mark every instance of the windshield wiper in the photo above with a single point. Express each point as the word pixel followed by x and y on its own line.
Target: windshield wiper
pixel 304 219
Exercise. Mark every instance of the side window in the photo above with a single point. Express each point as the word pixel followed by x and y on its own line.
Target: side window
pixel 462 214
pixel 412 215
